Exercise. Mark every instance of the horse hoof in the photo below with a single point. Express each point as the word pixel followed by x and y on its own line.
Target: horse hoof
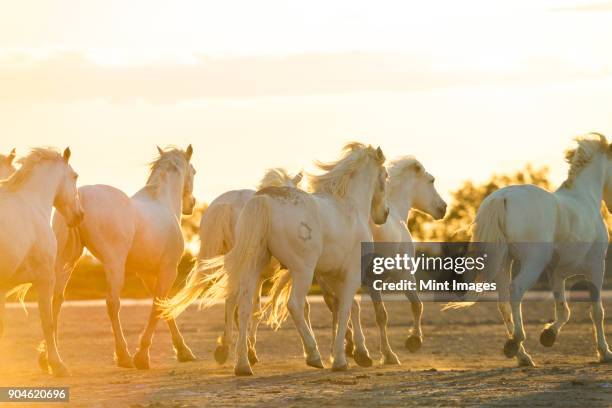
pixel 243 371
pixel 511 348
pixel 141 361
pixel 185 355
pixel 124 361
pixel 316 363
pixel 390 359
pixel 606 357
pixel 363 359
pixel 349 349
pixel 413 343
pixel 221 353
pixel 526 362
pixel 253 357
pixel 43 362
pixel 340 367
pixel 548 337
pixel 59 370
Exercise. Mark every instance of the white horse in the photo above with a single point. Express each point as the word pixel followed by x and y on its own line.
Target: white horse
pixel 217 229
pixel 142 234
pixel 409 186
pixel 27 244
pixel 6 165
pixel 562 232
pixel 321 231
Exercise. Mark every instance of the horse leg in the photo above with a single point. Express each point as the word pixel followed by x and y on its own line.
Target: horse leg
pixel 225 340
pixel 362 355
pixel 331 303
pixel 45 295
pixel 415 339
pixel 115 276
pixel 562 313
pixel 2 311
pixel 503 305
pixel 181 350
pixel 597 315
pixel 528 275
pixel 249 280
pixel 345 301
pixel 302 279
pixel 255 319
pixel 388 356
pixel 165 279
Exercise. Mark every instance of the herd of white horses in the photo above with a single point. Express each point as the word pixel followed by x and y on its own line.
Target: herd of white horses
pixel 291 236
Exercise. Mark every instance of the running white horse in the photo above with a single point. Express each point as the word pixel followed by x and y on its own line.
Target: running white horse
pixel 562 232
pixel 321 231
pixel 409 186
pixel 6 165
pixel 27 244
pixel 140 234
pixel 217 229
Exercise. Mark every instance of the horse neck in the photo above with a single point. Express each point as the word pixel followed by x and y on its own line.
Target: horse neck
pixel 588 184
pixel 400 198
pixel 361 191
pixel 41 186
pixel 170 192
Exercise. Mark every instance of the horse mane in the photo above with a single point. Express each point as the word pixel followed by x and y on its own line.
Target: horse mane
pixel 172 159
pixel 28 163
pixel 400 166
pixel 276 177
pixel 338 174
pixel 583 153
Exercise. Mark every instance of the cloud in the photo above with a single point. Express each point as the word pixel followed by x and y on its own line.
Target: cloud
pixel 72 76
pixel 591 7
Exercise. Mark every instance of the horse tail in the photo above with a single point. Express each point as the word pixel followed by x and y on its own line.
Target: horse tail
pixel 489 226
pixel 217 278
pixel 69 243
pixel 216 231
pixel 20 292
pixel 275 309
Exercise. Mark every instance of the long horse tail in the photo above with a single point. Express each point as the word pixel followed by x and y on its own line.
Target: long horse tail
pixel 20 292
pixel 214 279
pixel 489 226
pixel 216 231
pixel 69 243
pixel 275 310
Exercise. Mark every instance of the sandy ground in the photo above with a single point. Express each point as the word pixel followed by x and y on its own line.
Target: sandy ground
pixel 460 364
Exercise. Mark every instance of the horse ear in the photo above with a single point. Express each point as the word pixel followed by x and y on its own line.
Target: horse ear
pixel 189 152
pixel 298 177
pixel 11 156
pixel 379 154
pixel 67 154
pixel 160 150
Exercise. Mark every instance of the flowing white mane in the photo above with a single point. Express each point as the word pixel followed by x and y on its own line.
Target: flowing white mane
pixel 400 166
pixel 588 146
pixel 276 177
pixel 28 164
pixel 173 159
pixel 338 174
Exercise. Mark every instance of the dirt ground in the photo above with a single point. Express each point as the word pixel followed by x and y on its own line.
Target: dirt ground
pixel 460 364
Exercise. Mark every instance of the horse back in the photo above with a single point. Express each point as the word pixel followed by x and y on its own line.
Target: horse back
pixel 109 223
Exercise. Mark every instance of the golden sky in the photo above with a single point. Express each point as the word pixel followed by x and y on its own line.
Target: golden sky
pixel 469 88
